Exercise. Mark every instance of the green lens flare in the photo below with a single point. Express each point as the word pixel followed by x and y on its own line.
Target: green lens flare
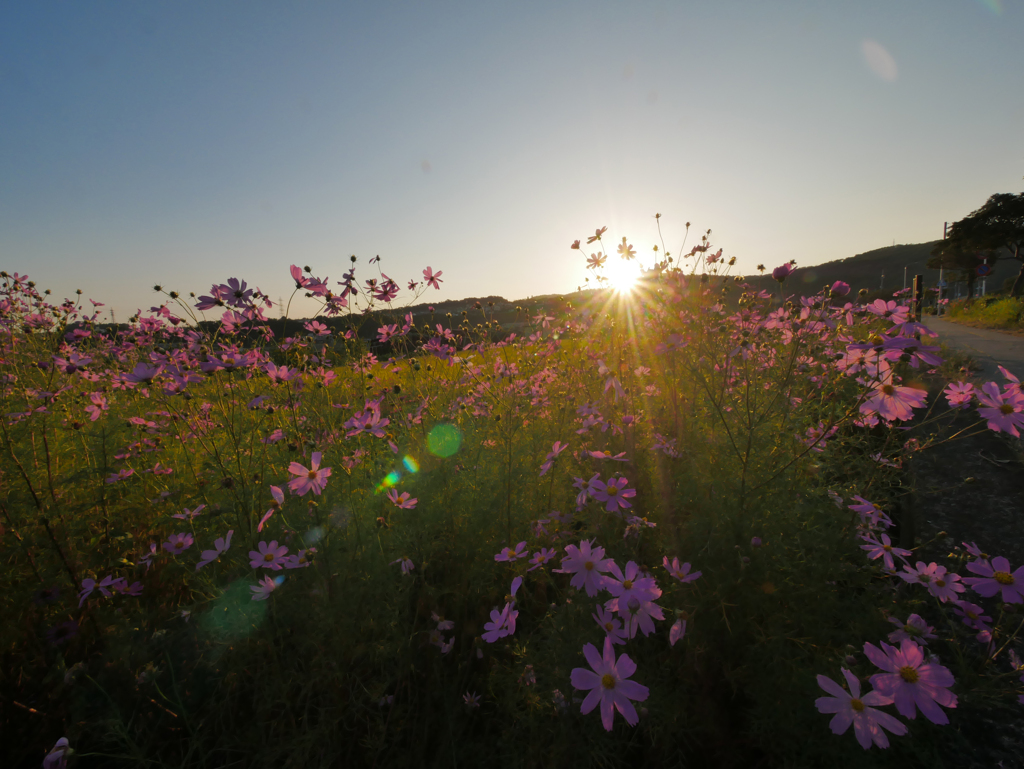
pixel 444 440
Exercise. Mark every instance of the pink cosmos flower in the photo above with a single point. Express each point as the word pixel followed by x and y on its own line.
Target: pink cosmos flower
pixel 508 554
pixel 869 511
pixel 782 272
pixel 265 587
pixel 299 560
pixel 914 629
pixel 851 708
pixel 586 564
pixel 407 564
pixel 614 494
pixel 57 757
pixel 178 543
pixel 611 626
pixel 972 615
pixel 268 556
pixel 220 546
pixel 941 583
pixel 608 685
pixel 911 682
pixel 433 278
pixel 276 500
pixel 121 475
pixel 99 405
pixel 893 402
pixel 959 394
pixel 189 514
pixel 640 615
pixel 1004 411
pixel 557 448
pixel 402 502
pixel 682 573
pixel 541 557
pixel 975 551
pixel 442 623
pixel 502 623
pixel 996 577
pixel 883 550
pixel 314 479
pixel 677 631
pixel 586 489
pixel 897 313
pixel 627 587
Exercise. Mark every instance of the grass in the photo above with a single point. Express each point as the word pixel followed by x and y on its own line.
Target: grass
pixel 994 311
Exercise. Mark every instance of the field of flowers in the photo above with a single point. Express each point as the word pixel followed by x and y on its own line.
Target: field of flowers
pixel 663 528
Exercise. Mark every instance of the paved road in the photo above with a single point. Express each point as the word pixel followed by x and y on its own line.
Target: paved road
pixel 986 346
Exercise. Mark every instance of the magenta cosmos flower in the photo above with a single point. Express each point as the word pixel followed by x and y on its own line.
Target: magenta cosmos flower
pixel 266 586
pixel 1002 410
pixel 682 573
pixel 914 629
pixel 614 494
pixel 220 546
pixel 996 577
pixel 883 550
pixel 911 682
pixel 628 586
pixel 893 402
pixel 586 564
pixel 608 685
pixel 851 708
pixel 268 556
pixel 314 479
pixel 941 583
pixel 277 499
pixel 178 543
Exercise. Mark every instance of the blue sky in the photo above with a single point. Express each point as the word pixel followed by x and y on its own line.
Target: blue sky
pixel 185 143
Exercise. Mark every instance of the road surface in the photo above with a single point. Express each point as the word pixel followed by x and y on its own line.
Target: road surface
pixel 990 348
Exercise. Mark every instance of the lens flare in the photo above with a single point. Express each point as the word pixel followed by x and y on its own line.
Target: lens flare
pixel 392 478
pixel 411 464
pixel 444 440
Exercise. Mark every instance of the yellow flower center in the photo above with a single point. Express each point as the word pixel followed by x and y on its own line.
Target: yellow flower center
pixel 1003 578
pixel 312 474
pixel 609 626
pixel 612 491
pixel 608 681
pixel 179 544
pixel 971 614
pixel 1006 408
pixel 856 704
pixel 268 557
pixel 628 584
pixel 924 578
pixel 888 389
pixel 887 548
pixel 589 566
pixel 940 582
pixel 908 674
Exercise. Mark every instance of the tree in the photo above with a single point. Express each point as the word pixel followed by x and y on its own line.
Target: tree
pixel 996 228
pixel 958 259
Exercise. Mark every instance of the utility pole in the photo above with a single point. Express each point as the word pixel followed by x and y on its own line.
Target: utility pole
pixel 942 288
pixel 881 282
pixel 904 277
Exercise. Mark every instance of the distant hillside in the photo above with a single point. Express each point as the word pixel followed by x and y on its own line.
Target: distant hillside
pixel 866 270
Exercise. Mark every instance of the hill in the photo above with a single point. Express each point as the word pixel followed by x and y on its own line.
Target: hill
pixel 883 269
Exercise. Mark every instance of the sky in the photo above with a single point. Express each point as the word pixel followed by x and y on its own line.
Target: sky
pixel 185 143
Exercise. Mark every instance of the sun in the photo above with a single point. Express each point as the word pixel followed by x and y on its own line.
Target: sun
pixel 622 275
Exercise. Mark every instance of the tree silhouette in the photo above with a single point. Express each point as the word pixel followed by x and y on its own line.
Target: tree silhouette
pixel 996 229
